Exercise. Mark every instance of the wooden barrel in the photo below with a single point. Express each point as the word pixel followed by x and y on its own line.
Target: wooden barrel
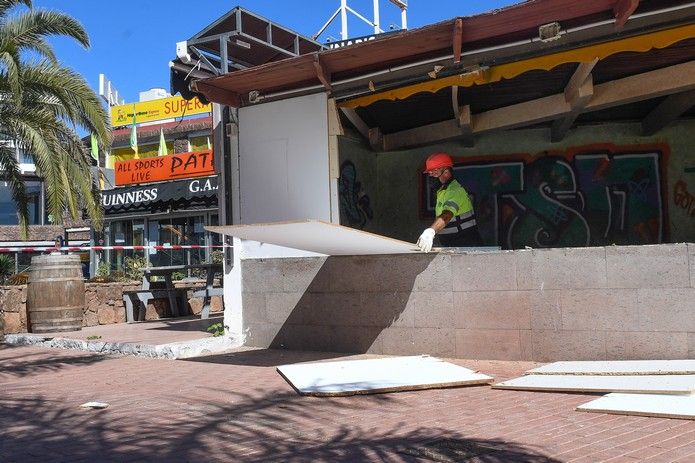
pixel 55 294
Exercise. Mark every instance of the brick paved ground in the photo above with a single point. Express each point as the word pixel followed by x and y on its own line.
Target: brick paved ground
pixel 236 408
pixel 151 332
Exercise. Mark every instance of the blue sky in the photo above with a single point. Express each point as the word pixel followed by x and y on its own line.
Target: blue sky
pixel 134 40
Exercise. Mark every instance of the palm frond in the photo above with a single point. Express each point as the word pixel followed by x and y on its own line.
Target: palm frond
pixel 42 104
pixel 10 75
pixel 31 25
pixel 6 5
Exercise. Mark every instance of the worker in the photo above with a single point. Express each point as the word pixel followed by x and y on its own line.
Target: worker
pixel 455 219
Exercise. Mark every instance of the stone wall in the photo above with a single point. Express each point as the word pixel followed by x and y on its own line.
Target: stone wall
pixel 103 305
pixel 36 232
pixel 618 302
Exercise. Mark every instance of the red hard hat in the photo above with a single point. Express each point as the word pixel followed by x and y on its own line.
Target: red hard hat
pixel 437 160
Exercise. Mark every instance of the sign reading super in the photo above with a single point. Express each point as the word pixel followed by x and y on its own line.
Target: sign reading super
pixel 156 110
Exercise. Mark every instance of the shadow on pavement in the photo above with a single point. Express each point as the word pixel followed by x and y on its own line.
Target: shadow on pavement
pixel 259 426
pixel 24 365
pixel 186 324
pixel 268 357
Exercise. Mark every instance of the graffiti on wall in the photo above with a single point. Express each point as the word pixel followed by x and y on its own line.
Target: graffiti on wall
pixel 583 197
pixel 684 198
pixel 354 203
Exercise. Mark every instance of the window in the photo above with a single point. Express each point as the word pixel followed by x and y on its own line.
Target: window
pixel 8 208
pixel 25 157
pixel 125 233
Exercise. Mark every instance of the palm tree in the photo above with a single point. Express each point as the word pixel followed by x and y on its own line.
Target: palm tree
pixel 42 107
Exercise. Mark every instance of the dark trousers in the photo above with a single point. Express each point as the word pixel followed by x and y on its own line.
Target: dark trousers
pixel 467 238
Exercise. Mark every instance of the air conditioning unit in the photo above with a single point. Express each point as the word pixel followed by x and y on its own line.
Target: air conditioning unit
pixel 182 52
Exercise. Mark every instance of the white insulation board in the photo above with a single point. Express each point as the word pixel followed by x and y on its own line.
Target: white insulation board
pixel 617 367
pixel 657 405
pixel 317 236
pixel 372 376
pixel 659 384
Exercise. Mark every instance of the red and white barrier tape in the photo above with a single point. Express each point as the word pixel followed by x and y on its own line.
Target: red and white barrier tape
pixel 105 248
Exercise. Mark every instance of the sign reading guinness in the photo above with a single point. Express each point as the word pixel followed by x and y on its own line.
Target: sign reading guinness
pixel 138 198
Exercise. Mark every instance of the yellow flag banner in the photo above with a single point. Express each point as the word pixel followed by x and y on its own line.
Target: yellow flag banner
pixel 157 110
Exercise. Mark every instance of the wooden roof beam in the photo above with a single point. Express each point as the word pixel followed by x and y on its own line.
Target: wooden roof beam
pixel 376 139
pixel 463 115
pixel 465 125
pixel 216 94
pixel 578 92
pixel 356 122
pixel 561 126
pixel 458 40
pixel 372 135
pixel 321 73
pixel 669 110
pixel 623 9
pixel 639 87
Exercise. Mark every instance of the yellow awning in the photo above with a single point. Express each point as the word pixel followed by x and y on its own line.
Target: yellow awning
pixel 640 43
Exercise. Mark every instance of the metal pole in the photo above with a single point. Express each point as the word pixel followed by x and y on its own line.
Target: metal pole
pixel 377 28
pixel 343 19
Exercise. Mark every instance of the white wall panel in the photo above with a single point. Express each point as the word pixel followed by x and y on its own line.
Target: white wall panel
pixel 283 160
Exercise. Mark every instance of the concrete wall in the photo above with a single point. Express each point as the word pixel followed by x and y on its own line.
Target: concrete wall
pixel 543 185
pixel 620 302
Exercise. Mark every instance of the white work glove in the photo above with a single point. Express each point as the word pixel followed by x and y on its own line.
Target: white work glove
pixel 425 240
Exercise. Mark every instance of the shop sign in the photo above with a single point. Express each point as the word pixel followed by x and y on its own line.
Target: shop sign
pixel 142 196
pixel 174 166
pixel 157 110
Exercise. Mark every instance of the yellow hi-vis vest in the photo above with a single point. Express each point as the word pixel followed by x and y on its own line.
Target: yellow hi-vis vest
pixel 454 198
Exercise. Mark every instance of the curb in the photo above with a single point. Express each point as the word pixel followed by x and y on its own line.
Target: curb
pixel 172 351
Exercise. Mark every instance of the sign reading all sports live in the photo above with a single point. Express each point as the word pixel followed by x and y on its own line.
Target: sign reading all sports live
pixel 171 167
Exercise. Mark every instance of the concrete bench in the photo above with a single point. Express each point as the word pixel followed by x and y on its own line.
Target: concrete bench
pixel 177 297
pixel 206 293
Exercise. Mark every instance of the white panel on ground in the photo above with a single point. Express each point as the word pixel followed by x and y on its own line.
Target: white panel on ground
pixel 617 367
pixel 660 384
pixel 316 236
pixel 658 405
pixel 372 376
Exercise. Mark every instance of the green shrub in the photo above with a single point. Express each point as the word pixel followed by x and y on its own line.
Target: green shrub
pixel 217 329
pixel 134 267
pixel 217 256
pixel 103 270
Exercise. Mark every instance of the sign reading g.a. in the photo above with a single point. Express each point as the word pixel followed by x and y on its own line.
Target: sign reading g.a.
pixel 156 110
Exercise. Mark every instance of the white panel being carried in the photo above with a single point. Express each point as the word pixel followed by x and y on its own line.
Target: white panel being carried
pixel 283 160
pixel 659 384
pixel 617 367
pixel 662 406
pixel 372 376
pixel 317 236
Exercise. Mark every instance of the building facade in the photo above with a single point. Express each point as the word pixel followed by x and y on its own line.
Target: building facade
pixel 166 193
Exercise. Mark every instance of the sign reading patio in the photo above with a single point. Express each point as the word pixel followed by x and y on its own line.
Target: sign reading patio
pixel 156 110
pixel 175 166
